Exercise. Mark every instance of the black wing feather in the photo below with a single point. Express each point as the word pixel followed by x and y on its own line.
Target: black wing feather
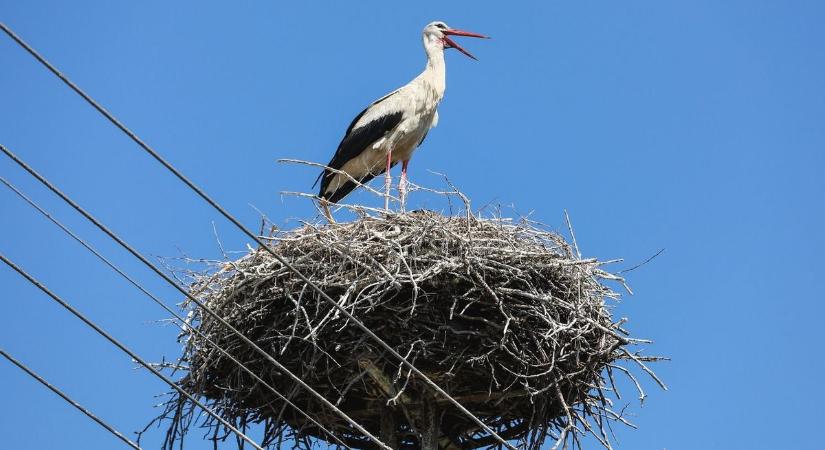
pixel 354 142
pixel 349 186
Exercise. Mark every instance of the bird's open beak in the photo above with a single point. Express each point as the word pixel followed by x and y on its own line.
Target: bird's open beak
pixel 451 44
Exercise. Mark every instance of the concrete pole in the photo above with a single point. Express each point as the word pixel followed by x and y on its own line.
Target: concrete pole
pixel 389 427
pixel 429 426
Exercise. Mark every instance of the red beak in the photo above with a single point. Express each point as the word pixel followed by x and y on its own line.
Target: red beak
pixel 451 44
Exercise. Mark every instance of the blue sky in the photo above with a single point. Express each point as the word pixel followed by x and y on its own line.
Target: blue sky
pixel 698 127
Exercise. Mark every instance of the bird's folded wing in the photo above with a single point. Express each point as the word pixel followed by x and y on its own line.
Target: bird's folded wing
pixel 371 125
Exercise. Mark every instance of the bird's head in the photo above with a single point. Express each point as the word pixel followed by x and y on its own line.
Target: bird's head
pixel 438 33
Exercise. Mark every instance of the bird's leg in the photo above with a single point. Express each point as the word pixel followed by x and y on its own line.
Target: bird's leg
pixel 387 182
pixel 402 184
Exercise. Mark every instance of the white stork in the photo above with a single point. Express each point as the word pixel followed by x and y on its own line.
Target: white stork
pixel 392 127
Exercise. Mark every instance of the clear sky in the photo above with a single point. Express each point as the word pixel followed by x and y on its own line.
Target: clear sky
pixel 695 126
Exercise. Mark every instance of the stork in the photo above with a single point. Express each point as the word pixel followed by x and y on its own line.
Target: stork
pixel 392 127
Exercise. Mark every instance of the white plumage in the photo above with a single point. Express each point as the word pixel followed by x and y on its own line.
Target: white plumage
pixel 392 127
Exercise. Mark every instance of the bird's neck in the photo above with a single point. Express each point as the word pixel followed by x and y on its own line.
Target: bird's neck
pixel 435 74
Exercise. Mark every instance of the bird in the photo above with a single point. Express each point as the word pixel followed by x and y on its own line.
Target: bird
pixel 391 128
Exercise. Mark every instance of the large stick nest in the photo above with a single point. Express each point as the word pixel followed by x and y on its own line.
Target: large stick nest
pixel 504 316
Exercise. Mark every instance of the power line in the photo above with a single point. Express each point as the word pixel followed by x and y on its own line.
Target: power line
pixel 125 349
pixel 184 324
pixel 188 295
pixel 69 400
pixel 251 235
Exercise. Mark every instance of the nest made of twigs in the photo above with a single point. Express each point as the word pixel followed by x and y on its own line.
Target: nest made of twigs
pixel 504 316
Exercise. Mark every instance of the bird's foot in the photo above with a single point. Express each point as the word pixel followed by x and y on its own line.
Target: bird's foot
pixel 387 192
pixel 402 192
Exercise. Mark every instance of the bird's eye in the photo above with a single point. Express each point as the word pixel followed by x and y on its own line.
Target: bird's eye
pixel 441 25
